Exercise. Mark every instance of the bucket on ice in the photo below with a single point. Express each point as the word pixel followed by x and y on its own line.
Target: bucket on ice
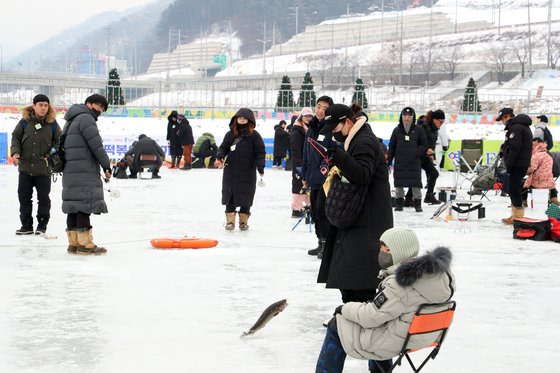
pixel 538 204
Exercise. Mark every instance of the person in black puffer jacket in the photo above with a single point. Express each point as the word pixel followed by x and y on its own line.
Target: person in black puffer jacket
pixel 241 154
pixel 432 124
pixel 300 198
pixel 407 147
pixel 186 138
pixel 517 151
pixel 350 255
pixel 174 142
pixel 281 141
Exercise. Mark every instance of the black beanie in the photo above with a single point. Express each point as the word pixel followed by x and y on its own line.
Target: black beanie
pixel 41 98
pixel 438 114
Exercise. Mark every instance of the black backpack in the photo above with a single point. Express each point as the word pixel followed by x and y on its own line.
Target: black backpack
pixel 548 138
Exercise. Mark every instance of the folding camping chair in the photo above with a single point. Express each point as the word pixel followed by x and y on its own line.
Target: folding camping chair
pixel 468 162
pixel 429 318
pixel 147 161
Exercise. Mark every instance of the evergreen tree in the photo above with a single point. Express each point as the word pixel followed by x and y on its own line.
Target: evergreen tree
pixel 470 102
pixel 359 96
pixel 285 95
pixel 114 90
pixel 307 94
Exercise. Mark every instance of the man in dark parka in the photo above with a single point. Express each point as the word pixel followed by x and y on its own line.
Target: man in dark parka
pixel 350 259
pixel 242 154
pixel 82 187
pixel 145 145
pixel 35 136
pixel 407 146
pixel 281 141
pixel 186 138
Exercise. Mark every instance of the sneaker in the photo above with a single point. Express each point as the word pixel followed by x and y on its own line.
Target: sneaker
pixel 24 231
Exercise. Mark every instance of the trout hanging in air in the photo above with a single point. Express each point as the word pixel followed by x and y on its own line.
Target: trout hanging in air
pixel 267 315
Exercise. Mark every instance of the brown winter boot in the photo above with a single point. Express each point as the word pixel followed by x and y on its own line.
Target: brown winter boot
pixel 230 221
pixel 86 245
pixel 554 200
pixel 516 213
pixel 243 220
pixel 524 203
pixel 72 241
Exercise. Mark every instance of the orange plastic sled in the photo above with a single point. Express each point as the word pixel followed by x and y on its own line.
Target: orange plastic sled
pixel 183 243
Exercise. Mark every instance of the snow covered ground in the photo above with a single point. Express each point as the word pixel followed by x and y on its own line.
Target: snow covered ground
pixel 145 310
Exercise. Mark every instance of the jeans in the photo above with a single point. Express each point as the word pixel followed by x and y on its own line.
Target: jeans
pixel 332 356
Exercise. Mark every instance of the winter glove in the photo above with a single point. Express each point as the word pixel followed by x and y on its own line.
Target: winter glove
pixel 338 310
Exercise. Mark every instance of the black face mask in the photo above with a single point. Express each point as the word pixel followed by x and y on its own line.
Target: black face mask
pixel 338 136
pixel 385 260
pixel 96 113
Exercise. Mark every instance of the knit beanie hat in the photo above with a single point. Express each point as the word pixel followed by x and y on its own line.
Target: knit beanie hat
pixel 40 98
pixel 438 114
pixel 402 242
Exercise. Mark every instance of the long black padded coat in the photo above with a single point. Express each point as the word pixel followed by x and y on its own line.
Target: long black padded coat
pixel 518 146
pixel 350 258
pixel 407 150
pixel 297 141
pixel 242 161
pixel 82 188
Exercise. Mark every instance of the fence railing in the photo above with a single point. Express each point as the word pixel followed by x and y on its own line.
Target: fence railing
pixel 207 96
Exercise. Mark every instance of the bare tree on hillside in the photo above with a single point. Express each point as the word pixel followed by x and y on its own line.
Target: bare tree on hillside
pixel 554 56
pixel 449 58
pixel 412 59
pixel 520 49
pixel 499 57
pixel 320 67
pixel 425 61
pixel 372 67
pixel 389 62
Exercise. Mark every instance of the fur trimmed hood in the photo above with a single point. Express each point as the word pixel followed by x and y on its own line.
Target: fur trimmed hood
pixel 431 263
pixel 27 111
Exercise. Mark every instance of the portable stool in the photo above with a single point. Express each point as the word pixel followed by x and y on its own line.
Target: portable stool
pixel 429 318
pixel 147 161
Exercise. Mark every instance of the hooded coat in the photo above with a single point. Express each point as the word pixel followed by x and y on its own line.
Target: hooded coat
pixel 243 156
pixel 350 255
pixel 407 150
pixel 185 133
pixel 377 330
pixel 518 146
pixel 175 148
pixel 297 141
pixel 539 174
pixel 34 144
pixel 281 141
pixel 82 187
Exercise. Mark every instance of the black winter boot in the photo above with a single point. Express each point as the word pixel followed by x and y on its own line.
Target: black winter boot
pixel 133 175
pixel 173 162
pixel 318 249
pixel 42 225
pixel 26 226
pixel 418 205
pixel 399 204
pixel 155 174
pixel 431 199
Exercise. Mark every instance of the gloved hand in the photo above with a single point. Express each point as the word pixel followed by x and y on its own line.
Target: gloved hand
pixel 338 310
pixel 331 152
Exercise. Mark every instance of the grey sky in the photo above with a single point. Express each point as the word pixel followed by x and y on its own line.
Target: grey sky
pixel 25 23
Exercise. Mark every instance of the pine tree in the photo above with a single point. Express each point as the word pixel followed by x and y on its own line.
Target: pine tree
pixel 359 96
pixel 470 102
pixel 285 95
pixel 307 94
pixel 114 90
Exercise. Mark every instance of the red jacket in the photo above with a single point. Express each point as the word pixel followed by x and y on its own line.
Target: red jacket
pixel 540 172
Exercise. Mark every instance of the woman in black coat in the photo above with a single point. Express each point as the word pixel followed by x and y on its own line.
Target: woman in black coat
pixel 241 154
pixel 297 142
pixel 350 259
pixel 175 148
pixel 407 147
pixel 281 141
pixel 186 139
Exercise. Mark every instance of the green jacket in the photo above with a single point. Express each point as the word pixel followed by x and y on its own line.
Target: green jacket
pixel 205 136
pixel 34 142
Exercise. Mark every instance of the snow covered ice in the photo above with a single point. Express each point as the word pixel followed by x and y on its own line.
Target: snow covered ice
pixel 145 310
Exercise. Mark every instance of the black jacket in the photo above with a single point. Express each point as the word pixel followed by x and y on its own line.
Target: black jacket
pixel 297 139
pixel 519 142
pixel 242 160
pixel 144 146
pixel 281 141
pixel 408 152
pixel 185 133
pixel 432 133
pixel 350 257
pixel 174 141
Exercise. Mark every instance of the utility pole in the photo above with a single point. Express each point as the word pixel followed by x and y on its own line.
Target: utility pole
pixel 548 38
pixel 108 51
pixel 230 44
pixel 273 43
pixel 529 29
pixel 264 41
pixel 401 46
pixel 499 15
pixel 347 24
pixel 455 14
pixel 332 49
pixel 296 8
pixel 429 67
pixel 382 16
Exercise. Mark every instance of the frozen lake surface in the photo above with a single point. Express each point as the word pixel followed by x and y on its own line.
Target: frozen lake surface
pixel 138 309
